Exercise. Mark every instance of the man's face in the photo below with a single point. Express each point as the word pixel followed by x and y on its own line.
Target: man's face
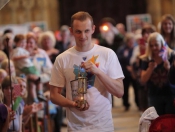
pixel 82 31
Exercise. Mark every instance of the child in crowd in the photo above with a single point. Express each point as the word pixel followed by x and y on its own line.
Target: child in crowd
pixel 23 85
pixel 16 125
pixel 28 109
pixel 6 115
pixel 23 63
pixel 21 56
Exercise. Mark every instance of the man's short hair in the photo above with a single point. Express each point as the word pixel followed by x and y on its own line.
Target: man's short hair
pixel 81 16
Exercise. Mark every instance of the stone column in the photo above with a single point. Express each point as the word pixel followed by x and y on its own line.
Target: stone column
pixel 14 4
pixel 49 12
pixel 173 9
pixel 43 10
pixel 28 5
pixel 54 18
pixel 154 9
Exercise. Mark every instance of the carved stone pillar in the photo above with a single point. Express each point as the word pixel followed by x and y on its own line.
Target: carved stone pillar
pixel 54 17
pixel 14 4
pixel 43 7
pixel 5 15
pixel 167 7
pixel 173 9
pixel 49 12
pixel 28 5
pixel 154 9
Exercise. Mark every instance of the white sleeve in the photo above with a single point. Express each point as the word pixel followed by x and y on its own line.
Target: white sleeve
pixel 57 76
pixel 114 68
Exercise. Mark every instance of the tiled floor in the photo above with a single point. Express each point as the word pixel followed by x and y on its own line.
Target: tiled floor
pixel 123 121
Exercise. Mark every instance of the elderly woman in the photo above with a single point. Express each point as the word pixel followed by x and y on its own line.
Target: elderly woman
pixel 124 55
pixel 155 66
pixel 47 42
pixel 40 60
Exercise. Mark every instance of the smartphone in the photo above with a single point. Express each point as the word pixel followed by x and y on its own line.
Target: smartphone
pixel 142 42
pixel 17 89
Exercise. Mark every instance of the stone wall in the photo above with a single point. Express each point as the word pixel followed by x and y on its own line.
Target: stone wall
pixel 157 8
pixel 22 11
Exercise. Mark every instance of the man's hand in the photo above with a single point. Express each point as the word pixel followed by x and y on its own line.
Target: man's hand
pixel 90 67
pixel 81 106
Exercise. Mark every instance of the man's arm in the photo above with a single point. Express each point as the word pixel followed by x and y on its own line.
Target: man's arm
pixel 114 86
pixel 57 98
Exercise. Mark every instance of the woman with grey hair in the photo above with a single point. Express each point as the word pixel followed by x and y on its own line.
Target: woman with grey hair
pixel 124 54
pixel 47 42
pixel 155 65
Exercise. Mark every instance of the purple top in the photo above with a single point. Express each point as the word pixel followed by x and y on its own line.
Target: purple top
pixel 3 113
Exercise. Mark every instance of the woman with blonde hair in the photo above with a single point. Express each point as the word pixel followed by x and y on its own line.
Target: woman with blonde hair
pixel 155 65
pixel 4 65
pixel 3 74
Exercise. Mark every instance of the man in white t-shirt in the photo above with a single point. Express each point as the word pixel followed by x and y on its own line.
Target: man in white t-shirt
pixel 102 69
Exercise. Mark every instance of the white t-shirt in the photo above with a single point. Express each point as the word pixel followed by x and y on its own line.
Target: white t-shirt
pixel 98 117
pixel 22 62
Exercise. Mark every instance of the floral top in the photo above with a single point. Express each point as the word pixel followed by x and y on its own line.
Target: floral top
pixel 158 83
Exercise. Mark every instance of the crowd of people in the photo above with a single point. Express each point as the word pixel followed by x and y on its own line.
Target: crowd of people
pixel 36 69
